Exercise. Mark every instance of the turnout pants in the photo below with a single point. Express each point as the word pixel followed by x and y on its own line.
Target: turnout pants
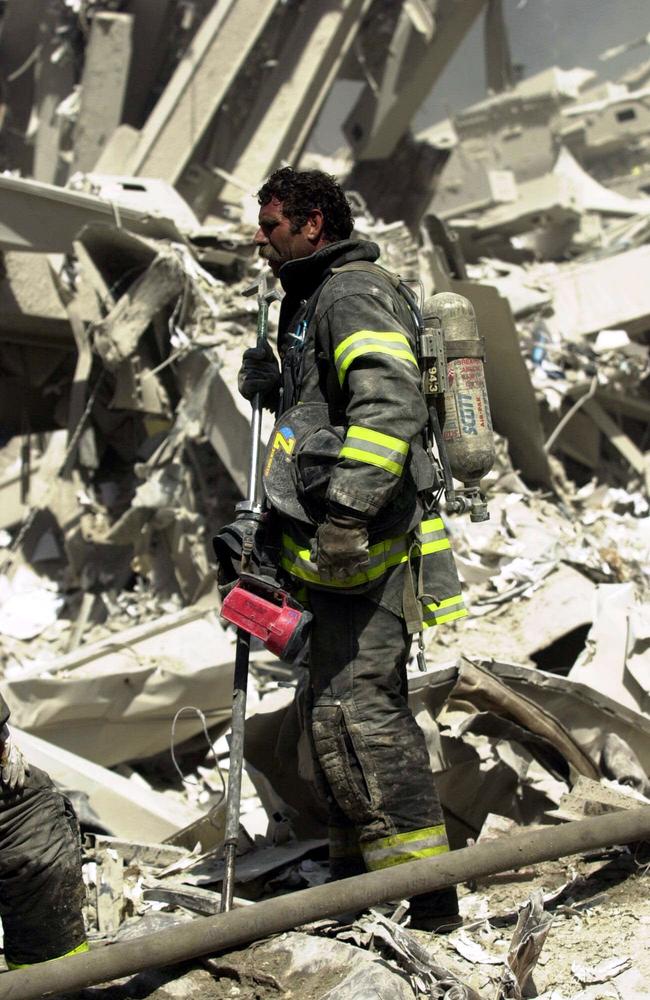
pixel 41 887
pixel 371 757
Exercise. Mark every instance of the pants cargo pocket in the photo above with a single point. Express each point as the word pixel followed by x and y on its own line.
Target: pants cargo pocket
pixel 350 777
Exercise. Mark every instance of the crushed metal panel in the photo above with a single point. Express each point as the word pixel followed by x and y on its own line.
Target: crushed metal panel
pixel 116 256
pixel 585 712
pixel 130 810
pixel 603 664
pixel 182 115
pixel 147 195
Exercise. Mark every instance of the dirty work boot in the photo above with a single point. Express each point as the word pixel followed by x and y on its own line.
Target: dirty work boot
pixel 436 911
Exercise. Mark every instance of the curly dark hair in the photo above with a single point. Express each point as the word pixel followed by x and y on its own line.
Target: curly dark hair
pixel 300 191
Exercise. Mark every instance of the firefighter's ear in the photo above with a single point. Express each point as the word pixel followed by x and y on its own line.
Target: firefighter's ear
pixel 314 226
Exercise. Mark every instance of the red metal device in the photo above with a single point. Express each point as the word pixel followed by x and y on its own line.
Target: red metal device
pixel 267 612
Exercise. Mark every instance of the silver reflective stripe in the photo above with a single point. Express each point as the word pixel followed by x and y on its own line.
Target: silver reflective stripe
pixel 448 610
pixel 405 847
pixel 391 343
pixel 375 448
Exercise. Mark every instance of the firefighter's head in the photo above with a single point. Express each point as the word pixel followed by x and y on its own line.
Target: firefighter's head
pixel 300 212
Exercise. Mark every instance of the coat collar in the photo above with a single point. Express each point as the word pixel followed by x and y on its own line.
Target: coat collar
pixel 301 277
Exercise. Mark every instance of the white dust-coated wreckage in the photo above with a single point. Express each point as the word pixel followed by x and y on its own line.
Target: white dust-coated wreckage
pixel 133 134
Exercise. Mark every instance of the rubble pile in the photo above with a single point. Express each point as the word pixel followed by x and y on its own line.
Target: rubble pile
pixel 132 138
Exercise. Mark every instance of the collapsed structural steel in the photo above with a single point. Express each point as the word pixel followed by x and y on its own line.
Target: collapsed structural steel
pixel 208 935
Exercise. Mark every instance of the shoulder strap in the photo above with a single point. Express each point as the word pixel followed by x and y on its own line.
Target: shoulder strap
pixel 395 280
pixel 367 265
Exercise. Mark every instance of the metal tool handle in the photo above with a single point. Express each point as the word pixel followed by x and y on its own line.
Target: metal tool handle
pixel 253 497
pixel 250 508
pixel 231 836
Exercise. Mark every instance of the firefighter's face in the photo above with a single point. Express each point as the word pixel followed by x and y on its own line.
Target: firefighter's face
pixel 278 240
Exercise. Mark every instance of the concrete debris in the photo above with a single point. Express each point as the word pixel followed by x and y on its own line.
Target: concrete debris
pixel 601 973
pixel 133 135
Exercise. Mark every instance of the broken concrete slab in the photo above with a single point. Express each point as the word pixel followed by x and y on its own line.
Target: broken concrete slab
pixel 115 700
pixel 179 121
pixel 45 218
pixel 604 663
pixel 583 302
pixel 130 810
pixel 103 85
pixel 116 337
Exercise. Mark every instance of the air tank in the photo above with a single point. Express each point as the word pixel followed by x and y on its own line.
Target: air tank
pixel 466 422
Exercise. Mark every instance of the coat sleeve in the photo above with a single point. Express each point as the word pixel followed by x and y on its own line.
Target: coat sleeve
pixel 367 336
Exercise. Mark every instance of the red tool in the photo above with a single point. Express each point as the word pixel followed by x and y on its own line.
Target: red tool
pixel 263 610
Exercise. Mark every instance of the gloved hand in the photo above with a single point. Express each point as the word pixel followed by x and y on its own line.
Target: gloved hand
pixel 259 372
pixel 340 548
pixel 13 766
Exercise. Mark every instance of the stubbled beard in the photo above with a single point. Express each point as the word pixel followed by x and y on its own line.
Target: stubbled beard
pixel 271 255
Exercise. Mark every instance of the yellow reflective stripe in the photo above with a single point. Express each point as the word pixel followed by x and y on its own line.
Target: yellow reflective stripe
pixel 441 619
pixel 28 965
pixel 433 524
pixel 381 556
pixel 309 572
pixel 371 458
pixel 399 859
pixel 395 839
pixel 302 567
pixel 402 847
pixel 447 603
pixel 376 549
pixel 354 338
pixel 435 546
pixel 401 354
pixel 376 437
pixel 375 448
pixel 439 615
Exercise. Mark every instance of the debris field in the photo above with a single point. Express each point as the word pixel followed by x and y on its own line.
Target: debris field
pixel 133 136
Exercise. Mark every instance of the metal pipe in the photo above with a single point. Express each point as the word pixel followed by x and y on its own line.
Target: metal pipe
pixel 207 935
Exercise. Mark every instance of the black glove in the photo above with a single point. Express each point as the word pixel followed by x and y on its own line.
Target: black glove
pixel 13 766
pixel 340 548
pixel 259 372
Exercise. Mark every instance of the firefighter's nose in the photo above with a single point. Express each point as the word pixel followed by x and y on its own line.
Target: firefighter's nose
pixel 260 239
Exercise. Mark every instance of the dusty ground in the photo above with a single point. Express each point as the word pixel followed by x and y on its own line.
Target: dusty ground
pixel 603 913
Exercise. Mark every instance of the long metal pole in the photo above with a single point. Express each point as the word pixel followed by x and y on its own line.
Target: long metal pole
pixel 207 935
pixel 231 836
pixel 249 510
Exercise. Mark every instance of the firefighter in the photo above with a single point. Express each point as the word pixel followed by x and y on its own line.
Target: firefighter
pixel 354 535
pixel 41 886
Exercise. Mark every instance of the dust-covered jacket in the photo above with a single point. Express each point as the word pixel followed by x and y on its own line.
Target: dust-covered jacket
pixel 348 339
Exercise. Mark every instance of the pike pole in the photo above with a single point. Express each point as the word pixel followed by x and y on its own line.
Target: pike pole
pixel 249 512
